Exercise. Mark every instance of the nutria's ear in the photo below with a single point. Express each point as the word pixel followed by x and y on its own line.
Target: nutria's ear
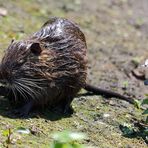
pixel 35 48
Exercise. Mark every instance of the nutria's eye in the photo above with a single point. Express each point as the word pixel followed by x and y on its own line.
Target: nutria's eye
pixel 36 48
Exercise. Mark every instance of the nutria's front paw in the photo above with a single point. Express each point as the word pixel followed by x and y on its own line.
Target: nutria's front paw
pixel 24 111
pixel 68 110
pixel 21 113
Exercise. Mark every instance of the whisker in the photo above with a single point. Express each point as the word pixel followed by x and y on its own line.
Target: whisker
pixel 33 80
pixel 26 89
pixel 30 91
pixel 19 89
pixel 30 83
pixel 15 95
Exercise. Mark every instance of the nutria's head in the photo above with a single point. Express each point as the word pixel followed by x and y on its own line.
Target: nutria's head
pixel 19 67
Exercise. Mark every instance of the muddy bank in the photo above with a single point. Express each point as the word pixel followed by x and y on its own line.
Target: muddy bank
pixel 116 34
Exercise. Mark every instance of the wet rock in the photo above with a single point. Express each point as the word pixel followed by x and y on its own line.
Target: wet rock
pixel 139 73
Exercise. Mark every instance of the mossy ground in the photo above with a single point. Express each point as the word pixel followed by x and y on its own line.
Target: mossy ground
pixel 116 34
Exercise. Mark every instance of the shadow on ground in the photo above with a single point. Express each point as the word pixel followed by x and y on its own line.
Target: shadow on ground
pixel 6 110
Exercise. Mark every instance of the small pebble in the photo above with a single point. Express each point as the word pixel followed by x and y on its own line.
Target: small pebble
pixel 106 115
pixel 3 12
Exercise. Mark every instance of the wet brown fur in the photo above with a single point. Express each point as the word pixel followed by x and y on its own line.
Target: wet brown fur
pixel 49 67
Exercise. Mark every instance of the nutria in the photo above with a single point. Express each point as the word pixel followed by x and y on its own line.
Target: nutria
pixel 47 68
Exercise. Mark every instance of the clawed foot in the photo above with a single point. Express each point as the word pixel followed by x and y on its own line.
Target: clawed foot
pixel 20 113
pixel 68 110
pixel 23 112
pixel 63 109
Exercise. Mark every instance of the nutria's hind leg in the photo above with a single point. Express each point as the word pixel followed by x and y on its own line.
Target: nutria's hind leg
pixel 24 110
pixel 63 107
pixel 67 108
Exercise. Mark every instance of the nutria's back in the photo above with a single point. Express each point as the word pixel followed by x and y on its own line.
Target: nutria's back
pixel 49 67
